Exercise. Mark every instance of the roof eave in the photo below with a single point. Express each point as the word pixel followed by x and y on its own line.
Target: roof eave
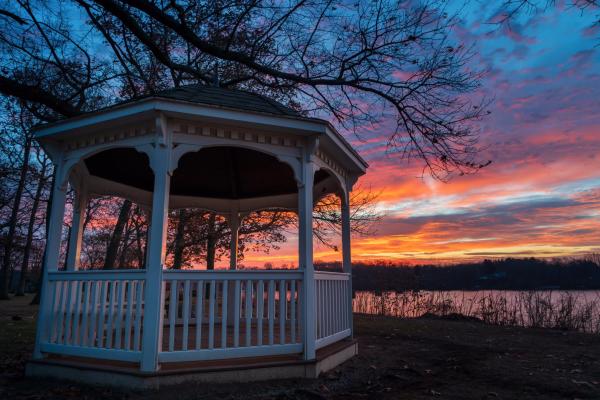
pixel 345 144
pixel 173 106
pixel 157 103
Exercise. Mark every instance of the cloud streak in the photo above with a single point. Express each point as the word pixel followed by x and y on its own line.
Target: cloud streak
pixel 541 195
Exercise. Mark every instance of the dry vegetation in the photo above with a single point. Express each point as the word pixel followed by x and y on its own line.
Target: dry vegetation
pixel 579 311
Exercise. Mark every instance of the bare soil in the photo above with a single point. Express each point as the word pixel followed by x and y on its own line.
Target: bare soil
pixel 425 358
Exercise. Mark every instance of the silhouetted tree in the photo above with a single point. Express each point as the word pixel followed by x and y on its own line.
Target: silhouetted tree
pixel 116 236
pixel 359 62
pixel 39 191
pixel 510 9
pixel 21 123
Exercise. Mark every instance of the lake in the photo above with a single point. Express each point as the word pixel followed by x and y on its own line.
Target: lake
pixel 570 310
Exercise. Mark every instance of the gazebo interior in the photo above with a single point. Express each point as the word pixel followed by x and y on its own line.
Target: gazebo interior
pixel 224 172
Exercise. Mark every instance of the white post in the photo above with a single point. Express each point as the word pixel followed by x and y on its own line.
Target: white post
pixel 79 207
pixel 346 249
pixel 156 246
pixel 305 249
pixel 51 255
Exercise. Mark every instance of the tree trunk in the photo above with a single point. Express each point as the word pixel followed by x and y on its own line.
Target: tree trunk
pixel 38 293
pixel 211 242
pixel 12 224
pixel 139 250
pixel 30 227
pixel 123 256
pixel 129 228
pixel 115 238
pixel 179 244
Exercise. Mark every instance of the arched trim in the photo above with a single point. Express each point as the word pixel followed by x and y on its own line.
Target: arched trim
pixel 340 181
pixel 182 149
pixel 73 160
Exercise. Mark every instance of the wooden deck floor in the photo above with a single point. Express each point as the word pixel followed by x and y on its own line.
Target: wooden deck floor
pixel 198 366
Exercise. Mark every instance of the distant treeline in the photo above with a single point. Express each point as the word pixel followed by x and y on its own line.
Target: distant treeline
pixel 507 274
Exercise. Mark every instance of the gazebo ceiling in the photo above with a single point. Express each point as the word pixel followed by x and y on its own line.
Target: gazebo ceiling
pixel 215 172
pixel 122 165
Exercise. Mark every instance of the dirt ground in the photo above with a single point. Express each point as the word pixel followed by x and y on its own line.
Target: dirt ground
pixel 426 358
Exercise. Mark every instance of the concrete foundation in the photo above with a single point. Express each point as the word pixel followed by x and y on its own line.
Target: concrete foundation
pixel 86 371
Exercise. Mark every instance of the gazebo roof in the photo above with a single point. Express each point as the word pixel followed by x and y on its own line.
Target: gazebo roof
pixel 224 97
pixel 248 142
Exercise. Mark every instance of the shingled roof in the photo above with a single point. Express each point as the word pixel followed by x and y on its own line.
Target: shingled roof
pixel 222 97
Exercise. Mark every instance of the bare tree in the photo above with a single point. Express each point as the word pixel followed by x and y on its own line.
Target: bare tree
pixel 358 62
pixel 510 9
pixel 179 240
pixel 328 219
pixel 22 124
pixel 116 236
pixel 45 64
pixel 37 197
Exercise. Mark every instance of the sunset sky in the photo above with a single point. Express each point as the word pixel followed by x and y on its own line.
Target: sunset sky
pixel 541 195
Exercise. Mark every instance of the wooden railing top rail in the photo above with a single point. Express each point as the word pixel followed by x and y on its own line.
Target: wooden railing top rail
pixel 191 274
pixel 332 275
pixel 232 274
pixel 122 274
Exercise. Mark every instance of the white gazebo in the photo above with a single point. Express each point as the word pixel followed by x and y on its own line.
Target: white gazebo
pixel 222 150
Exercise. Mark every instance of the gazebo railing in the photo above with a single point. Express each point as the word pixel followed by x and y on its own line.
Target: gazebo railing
pixel 229 314
pixel 96 314
pixel 333 316
pixel 205 315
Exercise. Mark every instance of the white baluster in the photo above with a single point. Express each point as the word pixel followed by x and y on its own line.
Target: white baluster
pixel 139 299
pixel 271 300
pixel 260 309
pixel 293 310
pixel 199 313
pixel 60 309
pixel 111 312
pixel 173 299
pixel 93 315
pixel 128 313
pixel 85 310
pixel 334 303
pixel 186 313
pixel 236 317
pixel 282 311
pixel 248 312
pixel 76 314
pixel 300 308
pixel 224 298
pixel 319 308
pixel 119 314
pixel 101 318
pixel 68 309
pixel 329 300
pixel 55 289
pixel 211 315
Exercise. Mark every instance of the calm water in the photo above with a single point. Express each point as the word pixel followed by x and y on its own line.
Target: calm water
pixel 574 310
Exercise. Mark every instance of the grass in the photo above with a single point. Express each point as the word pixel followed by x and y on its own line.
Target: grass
pixel 419 358
pixel 16 337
